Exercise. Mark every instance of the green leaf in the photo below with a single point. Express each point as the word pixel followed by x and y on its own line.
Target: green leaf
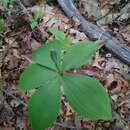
pixel 42 55
pixel 87 97
pixel 58 34
pixel 3 26
pixel 33 23
pixel 66 42
pixel 44 106
pixel 79 54
pixel 6 2
pixel 34 76
pixel 38 14
pixel 53 55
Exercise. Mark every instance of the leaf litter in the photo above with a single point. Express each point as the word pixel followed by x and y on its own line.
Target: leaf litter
pixel 15 54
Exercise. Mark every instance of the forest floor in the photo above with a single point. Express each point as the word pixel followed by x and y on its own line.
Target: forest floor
pixel 18 42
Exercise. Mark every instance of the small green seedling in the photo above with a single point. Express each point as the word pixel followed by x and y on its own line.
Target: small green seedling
pixel 3 26
pixel 7 2
pixel 48 75
pixel 37 16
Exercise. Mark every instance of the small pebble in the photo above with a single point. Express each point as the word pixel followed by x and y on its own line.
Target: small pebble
pixel 108 55
pixel 107 124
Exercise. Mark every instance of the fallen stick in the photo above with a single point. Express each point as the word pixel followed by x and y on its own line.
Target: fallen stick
pixel 14 97
pixel 111 43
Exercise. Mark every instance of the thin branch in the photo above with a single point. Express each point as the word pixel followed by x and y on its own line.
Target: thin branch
pixel 68 126
pixel 14 97
pixel 65 126
pixel 122 51
pixel 24 9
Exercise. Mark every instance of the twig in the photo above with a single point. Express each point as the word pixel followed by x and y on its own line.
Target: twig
pixel 77 122
pixel 68 126
pixel 14 97
pixel 94 32
pixel 65 126
pixel 2 36
pixel 24 9
pixel 98 19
